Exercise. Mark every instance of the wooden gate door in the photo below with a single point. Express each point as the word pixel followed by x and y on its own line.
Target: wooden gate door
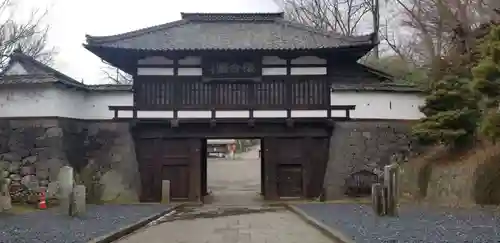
pixel 146 153
pixel 289 180
pixel 176 160
pixel 286 167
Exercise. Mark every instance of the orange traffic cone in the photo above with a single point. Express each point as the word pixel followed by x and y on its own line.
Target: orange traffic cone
pixel 42 204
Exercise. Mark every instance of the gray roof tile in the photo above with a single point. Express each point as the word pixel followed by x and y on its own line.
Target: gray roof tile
pixel 379 87
pixel 229 32
pixel 39 73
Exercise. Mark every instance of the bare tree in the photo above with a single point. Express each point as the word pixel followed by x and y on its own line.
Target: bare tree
pixel 342 16
pixel 30 36
pixel 430 31
pixel 115 75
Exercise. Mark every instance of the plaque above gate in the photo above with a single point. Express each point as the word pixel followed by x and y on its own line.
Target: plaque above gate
pixel 230 68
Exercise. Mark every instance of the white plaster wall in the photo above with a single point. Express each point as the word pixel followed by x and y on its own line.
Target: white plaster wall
pixel 57 102
pixel 33 102
pixel 16 69
pixel 380 105
pixel 197 71
pixel 52 101
pixel 96 104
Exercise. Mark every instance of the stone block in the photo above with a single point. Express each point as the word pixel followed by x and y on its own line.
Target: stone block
pixel 4 174
pixel 165 191
pixel 30 182
pixel 5 200
pixel 21 151
pixel 14 166
pixel 42 173
pixel 361 145
pixel 78 204
pixel 15 177
pixel 65 179
pixel 390 182
pixel 4 165
pixel 10 157
pixel 30 160
pixel 377 203
pixel 52 189
pixel 384 200
pixel 27 170
pixel 54 132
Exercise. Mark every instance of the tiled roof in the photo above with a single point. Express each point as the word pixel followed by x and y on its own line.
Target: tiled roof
pixel 39 73
pixel 244 31
pixel 382 87
pixel 28 79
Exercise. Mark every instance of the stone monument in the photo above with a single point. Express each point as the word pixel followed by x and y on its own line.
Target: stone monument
pixel 78 201
pixel 5 200
pixel 385 196
pixel 65 179
pixel 165 191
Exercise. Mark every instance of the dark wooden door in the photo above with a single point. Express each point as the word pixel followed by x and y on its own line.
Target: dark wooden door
pixel 146 153
pixel 179 180
pixel 289 180
pixel 286 165
pixel 176 160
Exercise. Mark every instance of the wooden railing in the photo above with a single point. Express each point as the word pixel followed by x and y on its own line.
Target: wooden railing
pixel 346 108
pixel 160 93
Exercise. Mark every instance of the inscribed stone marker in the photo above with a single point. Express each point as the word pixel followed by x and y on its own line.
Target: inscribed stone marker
pixel 65 179
pixel 165 191
pixel 78 201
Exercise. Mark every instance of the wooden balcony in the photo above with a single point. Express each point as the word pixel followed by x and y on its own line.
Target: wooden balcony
pixel 243 101
pixel 160 93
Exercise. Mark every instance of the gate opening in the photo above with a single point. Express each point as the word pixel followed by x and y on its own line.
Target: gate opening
pixel 232 172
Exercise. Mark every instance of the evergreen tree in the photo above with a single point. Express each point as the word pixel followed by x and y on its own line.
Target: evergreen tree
pixel 486 84
pixel 451 114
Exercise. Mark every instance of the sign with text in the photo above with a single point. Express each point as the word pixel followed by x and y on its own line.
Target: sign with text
pixel 231 68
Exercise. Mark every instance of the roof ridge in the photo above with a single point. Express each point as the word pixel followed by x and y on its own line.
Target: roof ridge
pixel 321 32
pixel 302 26
pixel 50 71
pixel 232 16
pixel 141 31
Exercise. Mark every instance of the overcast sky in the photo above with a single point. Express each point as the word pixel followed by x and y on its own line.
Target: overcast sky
pixel 70 20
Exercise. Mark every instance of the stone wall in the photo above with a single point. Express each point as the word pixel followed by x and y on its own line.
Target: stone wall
pixel 362 145
pixel 102 153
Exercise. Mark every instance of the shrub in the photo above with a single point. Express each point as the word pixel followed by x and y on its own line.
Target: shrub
pixel 451 114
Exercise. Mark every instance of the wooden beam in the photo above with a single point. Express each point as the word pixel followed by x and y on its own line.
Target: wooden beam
pixel 174 123
pixel 231 130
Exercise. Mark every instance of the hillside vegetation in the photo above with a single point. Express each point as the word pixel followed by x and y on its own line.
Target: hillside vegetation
pixel 462 128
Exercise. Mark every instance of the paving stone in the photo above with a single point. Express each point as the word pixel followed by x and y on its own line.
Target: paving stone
pixel 282 227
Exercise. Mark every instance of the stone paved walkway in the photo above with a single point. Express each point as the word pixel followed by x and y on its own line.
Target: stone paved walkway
pixel 269 227
pixel 235 182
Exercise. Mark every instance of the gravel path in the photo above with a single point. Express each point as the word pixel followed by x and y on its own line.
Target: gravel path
pixel 415 224
pixel 50 226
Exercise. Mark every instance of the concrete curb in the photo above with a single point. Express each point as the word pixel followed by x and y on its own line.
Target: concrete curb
pixel 328 231
pixel 123 231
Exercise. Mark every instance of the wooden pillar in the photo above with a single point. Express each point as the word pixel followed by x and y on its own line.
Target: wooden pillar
pixel 270 180
pixel 308 161
pixel 195 170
